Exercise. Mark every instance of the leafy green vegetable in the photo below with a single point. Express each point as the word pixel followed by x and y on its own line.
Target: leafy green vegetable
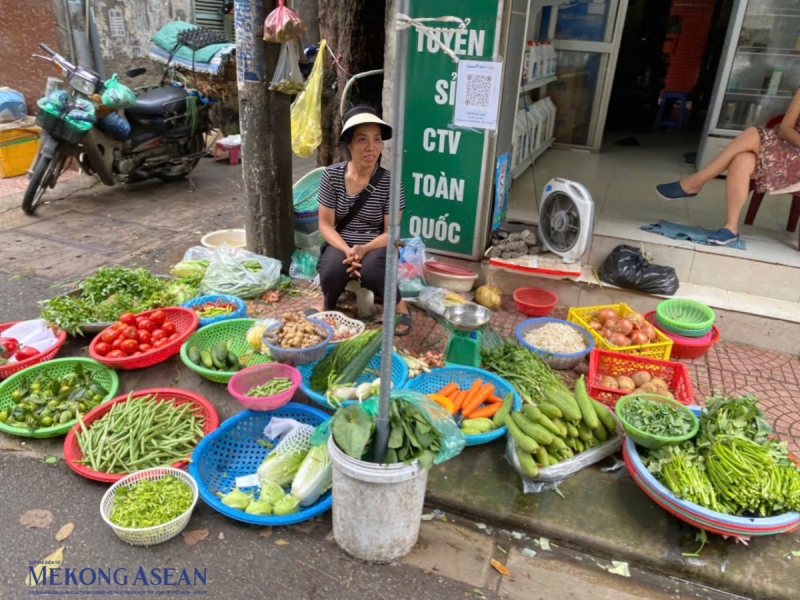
pixel 282 464
pixel 738 416
pixel 528 373
pixel 352 430
pixel 259 507
pixel 314 477
pixel 286 506
pixel 236 498
pixel 150 502
pixel 271 492
pixel 657 418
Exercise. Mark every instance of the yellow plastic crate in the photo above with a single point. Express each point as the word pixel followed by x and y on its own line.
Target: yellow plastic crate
pixel 659 350
pixel 18 148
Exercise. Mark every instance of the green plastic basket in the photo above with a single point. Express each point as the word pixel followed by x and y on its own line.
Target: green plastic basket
pixel 234 333
pixel 101 375
pixel 648 440
pixel 681 313
pixel 306 191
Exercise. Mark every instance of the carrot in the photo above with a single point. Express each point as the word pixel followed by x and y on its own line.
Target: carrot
pixel 458 400
pixel 472 403
pixel 495 399
pixel 448 390
pixel 473 391
pixel 487 411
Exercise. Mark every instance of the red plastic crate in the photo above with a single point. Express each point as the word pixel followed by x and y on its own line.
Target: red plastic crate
pixel 604 363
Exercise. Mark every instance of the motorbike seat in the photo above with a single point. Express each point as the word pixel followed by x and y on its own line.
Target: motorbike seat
pixel 159 101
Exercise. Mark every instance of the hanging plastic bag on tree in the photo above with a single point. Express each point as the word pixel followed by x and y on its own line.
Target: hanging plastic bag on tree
pixel 410 277
pixel 287 78
pixel 117 95
pixel 283 25
pixel 628 268
pixel 307 111
pixel 240 273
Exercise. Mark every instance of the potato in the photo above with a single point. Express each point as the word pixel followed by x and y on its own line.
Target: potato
pixel 648 388
pixel 660 383
pixel 640 378
pixel 626 383
pixel 669 395
pixel 609 382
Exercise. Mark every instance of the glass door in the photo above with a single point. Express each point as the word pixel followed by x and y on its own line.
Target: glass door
pixel 586 35
pixel 763 75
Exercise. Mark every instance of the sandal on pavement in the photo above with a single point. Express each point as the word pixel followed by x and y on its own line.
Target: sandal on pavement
pixel 405 321
pixel 309 312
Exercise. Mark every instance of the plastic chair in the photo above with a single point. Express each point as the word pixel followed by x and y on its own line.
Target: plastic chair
pixel 364 298
pixel 758 197
pixel 233 152
pixel 682 98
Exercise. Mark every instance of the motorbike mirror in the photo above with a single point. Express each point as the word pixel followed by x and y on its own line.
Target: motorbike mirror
pixel 135 72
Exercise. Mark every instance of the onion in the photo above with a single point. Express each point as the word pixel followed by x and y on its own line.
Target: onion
pixel 649 331
pixel 596 325
pixel 637 319
pixel 611 324
pixel 606 332
pixel 605 314
pixel 623 326
pixel 618 339
pixel 638 338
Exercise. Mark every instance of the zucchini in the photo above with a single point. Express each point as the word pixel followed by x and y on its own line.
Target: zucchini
pixel 573 443
pixel 605 416
pixel 526 463
pixel 584 432
pixel 558 445
pixel 533 430
pixel 562 427
pixel 531 411
pixel 579 446
pixel 522 440
pixel 572 430
pixel 194 355
pixel 553 460
pixel 600 433
pixel 565 403
pixel 542 457
pixel 535 415
pixel 499 418
pixel 584 403
pixel 550 410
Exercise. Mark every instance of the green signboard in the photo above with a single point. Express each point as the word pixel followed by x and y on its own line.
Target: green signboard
pixel 443 165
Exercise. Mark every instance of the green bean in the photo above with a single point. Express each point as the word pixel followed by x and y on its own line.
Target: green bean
pixel 270 388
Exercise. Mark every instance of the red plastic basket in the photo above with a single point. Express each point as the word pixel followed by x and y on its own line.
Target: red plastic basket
pixel 72 451
pixel 186 321
pixel 11 368
pixel 685 347
pixel 535 302
pixel 604 363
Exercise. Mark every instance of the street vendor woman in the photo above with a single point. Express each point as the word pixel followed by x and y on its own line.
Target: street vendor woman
pixel 354 214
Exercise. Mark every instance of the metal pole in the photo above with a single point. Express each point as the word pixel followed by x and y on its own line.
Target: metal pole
pixel 390 289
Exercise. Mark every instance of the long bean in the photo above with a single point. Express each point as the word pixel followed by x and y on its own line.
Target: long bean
pixel 140 433
pixel 271 388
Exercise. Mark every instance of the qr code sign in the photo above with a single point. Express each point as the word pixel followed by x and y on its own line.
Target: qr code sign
pixel 478 87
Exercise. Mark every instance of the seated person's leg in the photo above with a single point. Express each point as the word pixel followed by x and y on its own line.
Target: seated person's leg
pixel 333 277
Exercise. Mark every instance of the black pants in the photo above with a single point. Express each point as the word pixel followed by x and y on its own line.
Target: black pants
pixel 333 275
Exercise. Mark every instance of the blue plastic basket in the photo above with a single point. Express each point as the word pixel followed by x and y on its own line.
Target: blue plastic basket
pixel 299 356
pixel 430 383
pixel 399 377
pixel 306 191
pixel 233 451
pixel 554 359
pixel 308 224
pixel 239 313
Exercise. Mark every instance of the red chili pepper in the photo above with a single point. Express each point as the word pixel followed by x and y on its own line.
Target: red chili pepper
pixel 8 346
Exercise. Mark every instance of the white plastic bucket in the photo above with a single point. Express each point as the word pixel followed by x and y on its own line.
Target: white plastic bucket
pixel 376 508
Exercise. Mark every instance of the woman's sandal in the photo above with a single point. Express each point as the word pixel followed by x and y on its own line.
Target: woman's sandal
pixel 407 321
pixel 310 312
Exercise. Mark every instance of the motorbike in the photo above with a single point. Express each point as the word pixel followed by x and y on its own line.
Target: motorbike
pixel 166 141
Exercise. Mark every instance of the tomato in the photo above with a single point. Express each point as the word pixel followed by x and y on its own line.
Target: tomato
pixel 109 335
pixel 129 333
pixel 116 354
pixel 160 342
pixel 174 336
pixel 116 343
pixel 143 336
pixel 158 317
pixel 137 353
pixel 169 328
pixel 127 318
pixel 129 346
pixel 102 348
pixel 146 324
pixel 117 325
pixel 159 334
pixel 145 347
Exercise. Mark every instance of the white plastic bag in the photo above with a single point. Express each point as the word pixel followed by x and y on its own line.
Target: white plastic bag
pixel 551 477
pixel 198 253
pixel 33 333
pixel 231 271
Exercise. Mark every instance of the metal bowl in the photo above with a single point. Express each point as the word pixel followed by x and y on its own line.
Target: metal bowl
pixel 468 316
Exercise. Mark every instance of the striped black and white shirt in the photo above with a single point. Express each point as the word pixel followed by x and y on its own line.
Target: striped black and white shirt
pixel 368 223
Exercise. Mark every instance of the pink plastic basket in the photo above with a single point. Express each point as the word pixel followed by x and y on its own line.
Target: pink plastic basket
pixel 246 379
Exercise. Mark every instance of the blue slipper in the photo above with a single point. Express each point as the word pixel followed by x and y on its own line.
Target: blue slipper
pixel 723 237
pixel 672 191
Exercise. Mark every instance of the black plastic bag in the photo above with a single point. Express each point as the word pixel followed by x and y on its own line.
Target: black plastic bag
pixel 627 268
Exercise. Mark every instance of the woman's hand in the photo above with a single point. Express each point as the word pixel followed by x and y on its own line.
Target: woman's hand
pixel 353 258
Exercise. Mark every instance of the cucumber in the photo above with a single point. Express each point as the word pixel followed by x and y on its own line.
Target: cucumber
pixel 572 430
pixel 562 427
pixel 219 352
pixel 579 446
pixel 482 425
pixel 526 463
pixel 553 460
pixel 558 445
pixel 550 410
pixel 573 443
pixel 533 430
pixel 535 415
pixel 194 355
pixel 605 416
pixel 565 403
pixel 522 440
pixel 584 403
pixel 499 418
pixel 531 411
pixel 584 432
pixel 542 457
pixel 232 359
pixel 205 356
pixel 600 433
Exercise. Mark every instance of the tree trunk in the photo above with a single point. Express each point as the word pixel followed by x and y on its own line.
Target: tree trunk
pixel 266 137
pixel 355 31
